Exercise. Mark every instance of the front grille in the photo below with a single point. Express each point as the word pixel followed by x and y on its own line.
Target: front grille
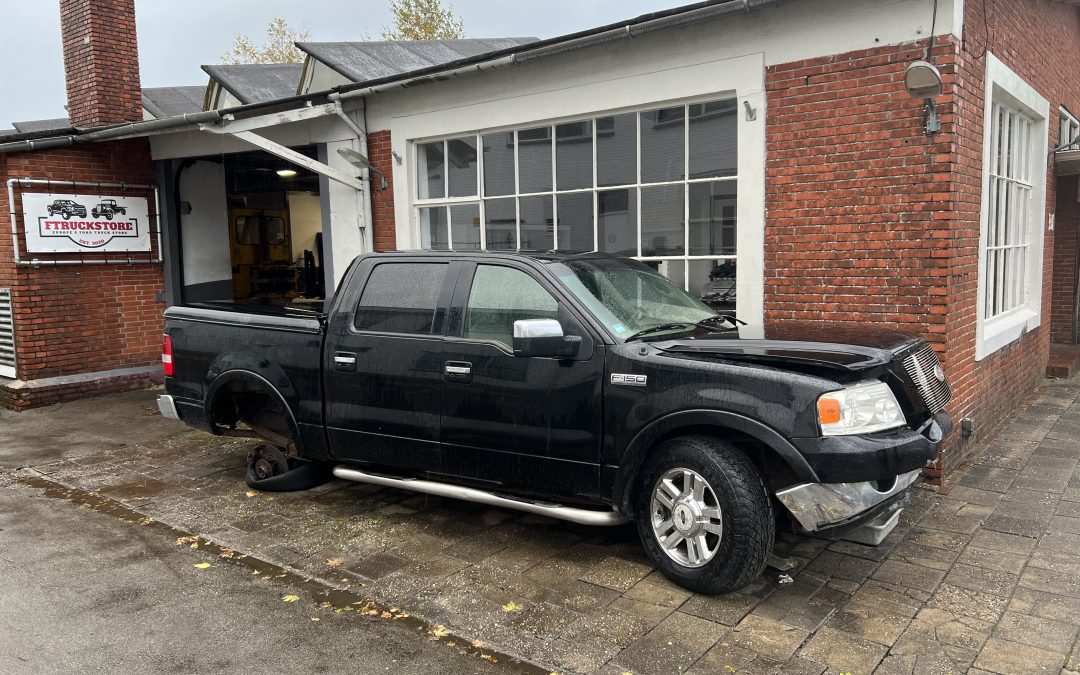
pixel 920 366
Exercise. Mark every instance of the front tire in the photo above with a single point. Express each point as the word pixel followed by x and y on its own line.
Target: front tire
pixel 704 515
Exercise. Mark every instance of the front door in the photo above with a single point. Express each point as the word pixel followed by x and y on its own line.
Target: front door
pixel 522 424
pixel 384 366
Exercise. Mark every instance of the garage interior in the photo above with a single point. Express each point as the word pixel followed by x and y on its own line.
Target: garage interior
pixel 251 230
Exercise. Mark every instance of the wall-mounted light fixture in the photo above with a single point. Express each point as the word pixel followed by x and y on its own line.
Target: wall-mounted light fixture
pixel 923 80
pixel 361 162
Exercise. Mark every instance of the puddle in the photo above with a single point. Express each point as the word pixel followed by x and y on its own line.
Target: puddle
pixel 325 596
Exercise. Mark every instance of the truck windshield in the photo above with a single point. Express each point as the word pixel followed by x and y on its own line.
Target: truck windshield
pixel 630 297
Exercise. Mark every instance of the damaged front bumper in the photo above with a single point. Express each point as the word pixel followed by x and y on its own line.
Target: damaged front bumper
pixel 843 508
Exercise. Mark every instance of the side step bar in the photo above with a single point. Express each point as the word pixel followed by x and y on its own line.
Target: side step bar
pixel 579 516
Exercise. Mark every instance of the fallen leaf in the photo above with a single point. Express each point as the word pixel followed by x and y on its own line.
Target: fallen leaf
pixel 512 607
pixel 315 618
pixel 227 553
pixel 334 562
pixel 181 541
pixel 489 657
pixel 146 521
pixel 479 644
pixel 439 631
pixel 290 598
pixel 385 615
pixel 202 566
pixel 251 493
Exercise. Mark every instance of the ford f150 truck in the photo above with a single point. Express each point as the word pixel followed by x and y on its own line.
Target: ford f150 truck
pixel 588 388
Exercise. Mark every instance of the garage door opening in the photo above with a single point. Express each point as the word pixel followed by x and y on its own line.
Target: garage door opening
pixel 251 231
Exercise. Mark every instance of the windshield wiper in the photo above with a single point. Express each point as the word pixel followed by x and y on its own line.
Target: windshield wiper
pixel 658 329
pixel 722 317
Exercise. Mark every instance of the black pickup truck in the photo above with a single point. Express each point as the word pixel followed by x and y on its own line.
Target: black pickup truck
pixel 587 388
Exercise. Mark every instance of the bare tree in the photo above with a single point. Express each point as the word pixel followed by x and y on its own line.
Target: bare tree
pixel 278 48
pixel 423 20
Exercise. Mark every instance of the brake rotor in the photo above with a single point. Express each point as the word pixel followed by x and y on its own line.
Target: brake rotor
pixel 267 461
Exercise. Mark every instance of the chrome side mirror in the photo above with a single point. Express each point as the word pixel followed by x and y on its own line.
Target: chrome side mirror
pixel 543 337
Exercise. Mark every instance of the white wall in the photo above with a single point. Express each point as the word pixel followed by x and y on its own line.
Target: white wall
pixel 205 232
pixel 305 221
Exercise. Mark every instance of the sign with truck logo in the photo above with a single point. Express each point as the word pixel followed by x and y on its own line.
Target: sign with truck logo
pixel 56 223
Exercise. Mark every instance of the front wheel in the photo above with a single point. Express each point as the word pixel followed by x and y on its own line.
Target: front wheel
pixel 704 515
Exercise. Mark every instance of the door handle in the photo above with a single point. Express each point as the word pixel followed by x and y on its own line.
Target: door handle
pixel 345 362
pixel 457 371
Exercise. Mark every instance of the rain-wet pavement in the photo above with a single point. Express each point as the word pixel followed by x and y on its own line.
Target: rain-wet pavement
pixel 981 579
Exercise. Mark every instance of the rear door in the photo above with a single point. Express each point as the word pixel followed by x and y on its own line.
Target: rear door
pixel 383 364
pixel 523 424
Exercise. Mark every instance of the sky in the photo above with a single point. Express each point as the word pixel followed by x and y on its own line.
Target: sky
pixel 178 36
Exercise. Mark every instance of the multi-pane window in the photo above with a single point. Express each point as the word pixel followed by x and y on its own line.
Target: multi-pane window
pixel 659 185
pixel 1009 211
pixel 1068 130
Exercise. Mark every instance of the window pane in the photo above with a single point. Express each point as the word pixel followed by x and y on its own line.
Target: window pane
pixel 499 164
pixel 713 218
pixel 672 269
pixel 534 156
pixel 713 139
pixel 713 281
pixel 401 298
pixel 433 231
pixel 501 224
pixel 465 225
pixel 662 140
pixel 429 170
pixel 662 220
pixel 617 221
pixel 462 166
pixel 576 222
pixel 573 147
pixel 537 224
pixel 616 150
pixel 499 297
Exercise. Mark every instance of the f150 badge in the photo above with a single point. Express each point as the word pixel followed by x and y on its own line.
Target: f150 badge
pixel 629 380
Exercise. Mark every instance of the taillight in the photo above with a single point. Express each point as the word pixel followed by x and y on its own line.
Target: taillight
pixel 166 355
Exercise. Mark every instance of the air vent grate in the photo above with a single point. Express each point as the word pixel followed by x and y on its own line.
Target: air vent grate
pixel 7 335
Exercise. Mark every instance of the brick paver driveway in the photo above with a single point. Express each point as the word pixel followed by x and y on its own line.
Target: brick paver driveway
pixel 984 578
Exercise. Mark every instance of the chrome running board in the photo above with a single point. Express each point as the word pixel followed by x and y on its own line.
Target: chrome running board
pixel 579 516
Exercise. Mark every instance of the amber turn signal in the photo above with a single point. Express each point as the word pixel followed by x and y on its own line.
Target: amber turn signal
pixel 828 410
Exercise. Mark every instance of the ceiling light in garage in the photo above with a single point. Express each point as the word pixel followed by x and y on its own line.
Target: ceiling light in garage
pixel 286 173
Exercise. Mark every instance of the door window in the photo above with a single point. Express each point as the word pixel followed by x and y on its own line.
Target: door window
pixel 401 298
pixel 499 297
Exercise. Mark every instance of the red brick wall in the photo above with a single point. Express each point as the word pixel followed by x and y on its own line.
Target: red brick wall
pixel 1063 295
pixel 382 201
pixel 81 318
pixel 989 390
pixel 101 60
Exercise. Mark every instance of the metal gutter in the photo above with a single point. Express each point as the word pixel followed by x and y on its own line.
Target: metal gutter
pixel 620 30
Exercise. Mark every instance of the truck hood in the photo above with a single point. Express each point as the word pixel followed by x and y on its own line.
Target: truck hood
pixel 812 346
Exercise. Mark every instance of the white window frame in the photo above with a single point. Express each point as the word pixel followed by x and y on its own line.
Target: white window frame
pixel 1004 86
pixel 1068 128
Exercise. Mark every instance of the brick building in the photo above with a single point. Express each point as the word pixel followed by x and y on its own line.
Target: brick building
pixel 768 147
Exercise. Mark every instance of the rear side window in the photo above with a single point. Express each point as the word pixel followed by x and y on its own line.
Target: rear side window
pixel 499 297
pixel 401 298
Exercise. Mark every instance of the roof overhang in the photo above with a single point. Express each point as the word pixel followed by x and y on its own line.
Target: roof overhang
pixel 1067 162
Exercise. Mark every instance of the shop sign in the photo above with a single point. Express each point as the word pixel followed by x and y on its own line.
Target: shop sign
pixel 58 223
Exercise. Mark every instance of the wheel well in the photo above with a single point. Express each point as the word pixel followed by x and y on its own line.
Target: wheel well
pixel 246 407
pixel 776 472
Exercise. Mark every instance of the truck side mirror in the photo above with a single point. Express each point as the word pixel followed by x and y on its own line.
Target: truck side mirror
pixel 543 337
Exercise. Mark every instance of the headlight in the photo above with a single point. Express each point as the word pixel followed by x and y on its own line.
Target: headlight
pixel 859 409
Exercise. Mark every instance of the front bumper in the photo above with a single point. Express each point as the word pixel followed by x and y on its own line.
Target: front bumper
pixel 819 506
pixel 877 456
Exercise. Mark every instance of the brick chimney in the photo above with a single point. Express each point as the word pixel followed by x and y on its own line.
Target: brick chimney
pixel 101 61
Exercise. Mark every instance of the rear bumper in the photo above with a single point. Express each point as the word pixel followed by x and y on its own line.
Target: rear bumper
pixel 819 506
pixel 167 406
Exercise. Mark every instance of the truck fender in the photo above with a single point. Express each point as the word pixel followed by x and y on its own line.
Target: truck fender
pixel 252 378
pixel 641 445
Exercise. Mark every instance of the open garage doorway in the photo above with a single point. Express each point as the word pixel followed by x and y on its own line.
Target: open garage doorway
pixel 250 230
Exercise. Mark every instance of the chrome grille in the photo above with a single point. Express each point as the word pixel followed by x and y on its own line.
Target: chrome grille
pixel 7 335
pixel 920 366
